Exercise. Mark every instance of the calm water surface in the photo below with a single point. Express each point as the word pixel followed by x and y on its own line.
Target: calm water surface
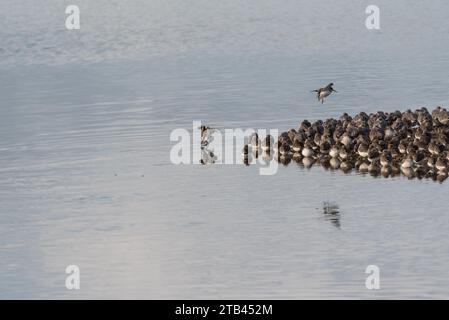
pixel 85 174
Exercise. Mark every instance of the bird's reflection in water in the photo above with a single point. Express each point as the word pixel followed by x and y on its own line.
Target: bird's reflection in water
pixel 207 153
pixel 207 156
pixel 360 167
pixel 331 213
pixel 285 161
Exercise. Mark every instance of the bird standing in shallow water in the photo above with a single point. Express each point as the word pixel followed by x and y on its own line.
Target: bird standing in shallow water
pixel 206 133
pixel 324 92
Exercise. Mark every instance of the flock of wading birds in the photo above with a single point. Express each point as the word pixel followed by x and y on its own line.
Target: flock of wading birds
pixel 414 143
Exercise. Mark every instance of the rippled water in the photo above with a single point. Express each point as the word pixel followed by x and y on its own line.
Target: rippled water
pixel 85 175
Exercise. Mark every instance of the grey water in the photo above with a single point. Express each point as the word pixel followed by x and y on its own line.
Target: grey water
pixel 85 173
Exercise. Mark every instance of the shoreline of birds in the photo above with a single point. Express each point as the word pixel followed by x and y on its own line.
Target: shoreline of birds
pixel 414 143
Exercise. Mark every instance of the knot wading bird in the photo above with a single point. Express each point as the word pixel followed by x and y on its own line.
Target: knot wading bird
pixel 324 92
pixel 206 133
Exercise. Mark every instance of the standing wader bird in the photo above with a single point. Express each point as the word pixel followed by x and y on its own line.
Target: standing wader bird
pixel 206 133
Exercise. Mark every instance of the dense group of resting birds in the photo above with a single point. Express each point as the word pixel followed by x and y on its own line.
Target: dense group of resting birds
pixel 415 143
